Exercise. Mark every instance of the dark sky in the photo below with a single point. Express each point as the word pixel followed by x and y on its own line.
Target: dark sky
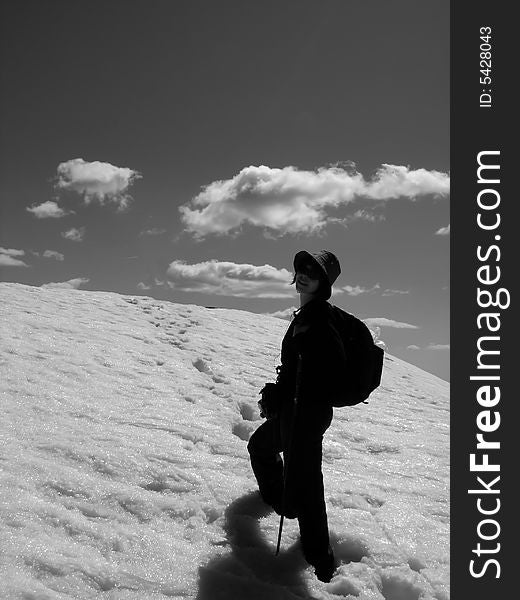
pixel 185 94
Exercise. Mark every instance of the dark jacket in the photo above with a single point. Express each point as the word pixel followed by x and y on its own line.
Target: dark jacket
pixel 313 336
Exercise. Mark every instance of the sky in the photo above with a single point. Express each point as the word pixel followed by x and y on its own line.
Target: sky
pixel 146 490
pixel 187 150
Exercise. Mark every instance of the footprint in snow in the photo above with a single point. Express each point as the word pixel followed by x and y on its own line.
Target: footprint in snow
pixel 382 448
pixel 247 411
pixel 156 486
pixel 242 430
pixel 349 548
pixel 202 366
pixel 177 343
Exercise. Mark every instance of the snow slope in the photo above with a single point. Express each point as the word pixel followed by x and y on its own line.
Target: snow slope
pixel 125 475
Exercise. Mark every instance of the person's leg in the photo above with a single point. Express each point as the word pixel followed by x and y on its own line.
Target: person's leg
pixel 306 481
pixel 312 512
pixel 264 450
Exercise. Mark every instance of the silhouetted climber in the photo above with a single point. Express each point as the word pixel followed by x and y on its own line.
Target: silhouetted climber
pixel 299 411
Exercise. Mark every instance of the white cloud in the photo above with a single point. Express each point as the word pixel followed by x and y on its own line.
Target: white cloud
pixel 412 347
pixel 290 201
pixel 230 279
pixel 74 234
pixel 53 254
pixel 9 261
pixel 390 292
pixel 443 231
pixel 143 286
pixel 394 181
pixel 357 290
pixel 97 181
pixel 8 258
pixel 71 284
pixel 153 231
pixel 438 347
pixel 384 322
pixel 12 252
pixel 358 215
pixel 365 215
pixel 47 210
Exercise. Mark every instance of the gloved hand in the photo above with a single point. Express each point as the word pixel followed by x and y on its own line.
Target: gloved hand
pixel 269 404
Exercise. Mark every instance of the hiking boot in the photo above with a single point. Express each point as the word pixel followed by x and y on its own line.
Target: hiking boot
pixel 325 567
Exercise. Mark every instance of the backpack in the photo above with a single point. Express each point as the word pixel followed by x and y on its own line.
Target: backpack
pixel 364 360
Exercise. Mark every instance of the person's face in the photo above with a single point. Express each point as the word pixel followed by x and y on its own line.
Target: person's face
pixel 307 279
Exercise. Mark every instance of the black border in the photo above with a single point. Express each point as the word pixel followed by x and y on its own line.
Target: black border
pixel 475 129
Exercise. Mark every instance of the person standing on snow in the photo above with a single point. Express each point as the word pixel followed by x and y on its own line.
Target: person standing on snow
pixel 299 411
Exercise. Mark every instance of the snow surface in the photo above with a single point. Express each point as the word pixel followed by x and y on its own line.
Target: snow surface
pixel 125 473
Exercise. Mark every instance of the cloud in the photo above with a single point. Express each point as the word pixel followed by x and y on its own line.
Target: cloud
pixel 96 181
pixel 74 234
pixel 357 290
pixel 8 258
pixel 383 322
pixel 47 210
pixel 9 261
pixel 230 279
pixel 365 215
pixel 12 252
pixel 393 181
pixel 443 230
pixel 291 201
pixel 390 292
pixel 143 286
pixel 71 284
pixel 412 347
pixel 153 231
pixel 359 215
pixel 53 254
pixel 438 347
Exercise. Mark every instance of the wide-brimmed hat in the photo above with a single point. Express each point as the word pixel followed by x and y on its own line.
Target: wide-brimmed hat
pixel 327 263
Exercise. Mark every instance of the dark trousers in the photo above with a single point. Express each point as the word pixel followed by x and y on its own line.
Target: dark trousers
pixel 298 433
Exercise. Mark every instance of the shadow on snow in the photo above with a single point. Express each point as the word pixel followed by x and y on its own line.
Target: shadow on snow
pixel 252 570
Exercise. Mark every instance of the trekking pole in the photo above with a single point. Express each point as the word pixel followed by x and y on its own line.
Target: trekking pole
pixel 289 450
